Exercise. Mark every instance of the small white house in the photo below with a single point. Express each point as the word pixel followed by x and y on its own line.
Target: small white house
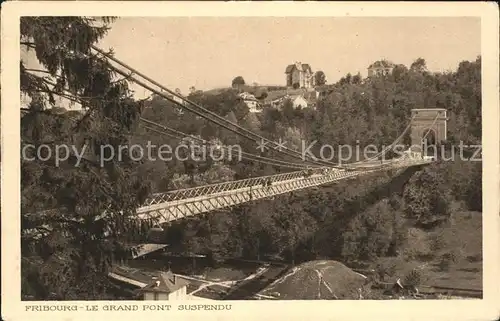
pixel 251 102
pixel 298 101
pixel 167 286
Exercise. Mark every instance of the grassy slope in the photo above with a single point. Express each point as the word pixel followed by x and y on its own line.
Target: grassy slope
pixel 463 235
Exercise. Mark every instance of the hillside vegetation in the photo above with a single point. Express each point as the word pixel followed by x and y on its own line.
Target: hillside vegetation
pixel 355 220
pixel 361 220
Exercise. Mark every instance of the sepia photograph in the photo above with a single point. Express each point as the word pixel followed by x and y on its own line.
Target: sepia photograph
pixel 224 218
pixel 226 158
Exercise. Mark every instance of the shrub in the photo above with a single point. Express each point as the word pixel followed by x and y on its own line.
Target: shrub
pixel 416 244
pixel 414 278
pixel 475 258
pixel 437 242
pixel 427 199
pixel 450 257
pixel 385 269
pixel 370 234
pixel 454 256
pixel 367 293
pixel 409 254
pixel 444 264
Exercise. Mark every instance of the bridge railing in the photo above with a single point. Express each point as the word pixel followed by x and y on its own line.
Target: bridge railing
pixel 329 174
pixel 210 189
pixel 258 181
pixel 227 186
pixel 253 182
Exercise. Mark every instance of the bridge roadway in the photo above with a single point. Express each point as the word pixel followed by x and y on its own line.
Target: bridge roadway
pixel 252 192
pixel 167 207
pixel 170 210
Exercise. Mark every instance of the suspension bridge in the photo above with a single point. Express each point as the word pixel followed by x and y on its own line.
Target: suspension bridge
pixel 309 172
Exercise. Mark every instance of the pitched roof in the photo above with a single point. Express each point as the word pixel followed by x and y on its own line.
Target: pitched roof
pixel 247 96
pixel 306 66
pixel 166 282
pixel 310 96
pixel 290 68
pixel 274 95
pixel 293 97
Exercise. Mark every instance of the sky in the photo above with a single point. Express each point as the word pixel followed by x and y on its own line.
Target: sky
pixel 208 52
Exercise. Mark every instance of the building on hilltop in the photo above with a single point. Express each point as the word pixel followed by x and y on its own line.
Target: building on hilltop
pixel 251 102
pixel 298 100
pixel 299 75
pixel 167 286
pixel 380 67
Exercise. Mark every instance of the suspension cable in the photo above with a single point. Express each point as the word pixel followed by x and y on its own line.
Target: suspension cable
pixel 388 147
pixel 184 135
pixel 244 157
pixel 429 130
pixel 218 119
pixel 295 165
pixel 248 156
pixel 196 112
pixel 180 135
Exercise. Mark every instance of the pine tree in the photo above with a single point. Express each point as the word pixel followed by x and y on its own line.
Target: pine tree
pixel 67 251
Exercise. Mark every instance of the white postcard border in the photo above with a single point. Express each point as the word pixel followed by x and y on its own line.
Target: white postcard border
pixel 488 308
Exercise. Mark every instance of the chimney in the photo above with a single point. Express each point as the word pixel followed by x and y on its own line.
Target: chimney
pixel 157 283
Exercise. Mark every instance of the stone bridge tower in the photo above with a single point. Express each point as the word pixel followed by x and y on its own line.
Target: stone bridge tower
pixel 430 122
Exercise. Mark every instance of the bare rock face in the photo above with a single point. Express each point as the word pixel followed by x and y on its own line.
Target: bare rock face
pixel 322 279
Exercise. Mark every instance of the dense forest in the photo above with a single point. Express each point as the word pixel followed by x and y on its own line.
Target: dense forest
pixel 363 111
pixel 358 220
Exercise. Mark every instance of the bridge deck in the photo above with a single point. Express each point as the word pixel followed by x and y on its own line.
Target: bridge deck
pixel 171 206
pixel 173 210
pixel 166 211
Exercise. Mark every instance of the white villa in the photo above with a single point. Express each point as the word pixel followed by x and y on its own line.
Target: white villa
pixel 252 102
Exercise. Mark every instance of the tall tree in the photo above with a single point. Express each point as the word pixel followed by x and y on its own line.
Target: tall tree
pixel 238 82
pixel 320 78
pixel 66 252
pixel 427 198
pixel 419 65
